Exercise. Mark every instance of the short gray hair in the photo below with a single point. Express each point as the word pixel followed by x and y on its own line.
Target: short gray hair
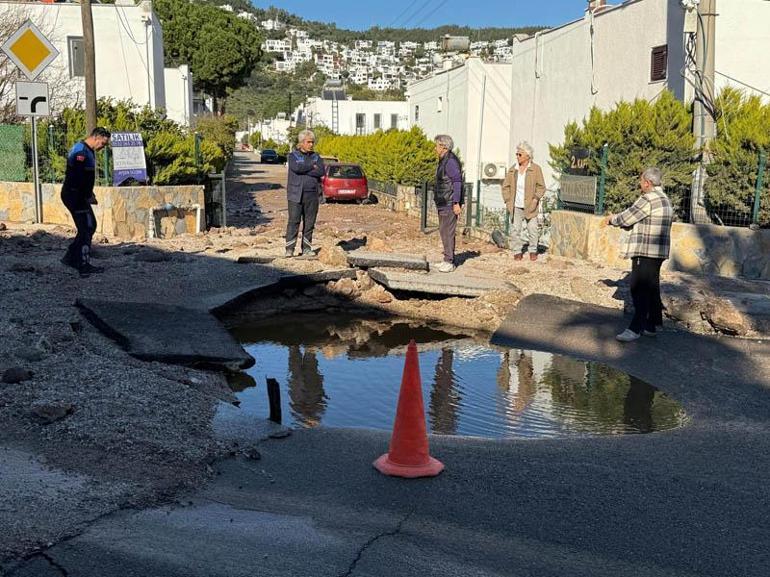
pixel 302 136
pixel 526 147
pixel 653 175
pixel 445 140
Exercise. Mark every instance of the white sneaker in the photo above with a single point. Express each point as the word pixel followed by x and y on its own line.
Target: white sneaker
pixel 627 336
pixel 445 267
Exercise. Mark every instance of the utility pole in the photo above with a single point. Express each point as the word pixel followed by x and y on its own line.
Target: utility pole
pixel 703 121
pixel 90 63
pixel 703 125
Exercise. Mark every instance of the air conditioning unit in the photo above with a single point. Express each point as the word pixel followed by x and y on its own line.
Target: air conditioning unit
pixel 493 170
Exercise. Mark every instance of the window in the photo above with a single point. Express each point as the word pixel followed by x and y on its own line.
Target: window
pixel 77 56
pixel 377 121
pixel 394 120
pixel 440 104
pixel 417 112
pixel 360 123
pixel 658 63
pixel 345 171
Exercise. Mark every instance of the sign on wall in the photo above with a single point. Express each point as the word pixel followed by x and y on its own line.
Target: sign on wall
pixel 128 157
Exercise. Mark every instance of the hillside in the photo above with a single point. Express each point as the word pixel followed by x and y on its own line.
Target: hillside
pixel 326 31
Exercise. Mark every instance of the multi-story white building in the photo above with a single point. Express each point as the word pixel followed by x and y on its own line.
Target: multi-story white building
pixel 276 45
pixel 129 55
pixel 632 50
pixel 472 103
pixel 355 116
pixel 272 25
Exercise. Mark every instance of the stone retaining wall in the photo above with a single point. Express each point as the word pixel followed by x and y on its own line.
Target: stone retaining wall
pixel 122 212
pixel 703 249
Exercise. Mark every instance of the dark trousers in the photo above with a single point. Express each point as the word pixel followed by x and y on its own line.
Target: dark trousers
pixel 306 210
pixel 79 251
pixel 447 227
pixel 645 292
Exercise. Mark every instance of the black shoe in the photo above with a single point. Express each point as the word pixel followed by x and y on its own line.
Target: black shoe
pixel 88 269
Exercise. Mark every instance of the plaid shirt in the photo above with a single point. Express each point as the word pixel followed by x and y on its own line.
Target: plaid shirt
pixel 650 216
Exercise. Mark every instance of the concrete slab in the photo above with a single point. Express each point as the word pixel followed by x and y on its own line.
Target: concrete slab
pixel 450 284
pixel 166 333
pixel 366 259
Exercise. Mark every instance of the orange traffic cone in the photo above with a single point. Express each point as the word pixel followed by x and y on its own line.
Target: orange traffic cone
pixel 408 454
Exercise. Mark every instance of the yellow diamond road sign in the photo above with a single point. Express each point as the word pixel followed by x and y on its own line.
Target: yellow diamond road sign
pixel 30 50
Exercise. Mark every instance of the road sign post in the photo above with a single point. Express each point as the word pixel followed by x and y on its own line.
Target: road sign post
pixel 36 175
pixel 32 52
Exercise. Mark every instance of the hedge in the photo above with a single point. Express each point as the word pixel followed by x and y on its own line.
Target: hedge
pixel 639 134
pixel 402 156
pixel 743 132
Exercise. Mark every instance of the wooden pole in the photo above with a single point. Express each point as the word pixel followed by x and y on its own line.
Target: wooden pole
pixel 90 63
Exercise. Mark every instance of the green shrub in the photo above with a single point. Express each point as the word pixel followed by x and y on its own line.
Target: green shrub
pixel 743 131
pixel 402 156
pixel 640 134
pixel 220 130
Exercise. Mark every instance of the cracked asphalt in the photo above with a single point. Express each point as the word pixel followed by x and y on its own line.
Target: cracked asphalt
pixel 683 503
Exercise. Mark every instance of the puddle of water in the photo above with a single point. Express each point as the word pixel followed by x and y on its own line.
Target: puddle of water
pixel 339 372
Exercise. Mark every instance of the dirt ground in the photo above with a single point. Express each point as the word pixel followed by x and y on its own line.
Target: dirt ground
pixel 74 398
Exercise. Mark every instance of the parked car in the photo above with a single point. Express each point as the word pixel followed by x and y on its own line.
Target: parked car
pixel 345 182
pixel 269 156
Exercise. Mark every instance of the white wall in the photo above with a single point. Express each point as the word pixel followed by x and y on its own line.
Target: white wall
pixel 460 114
pixel 742 45
pixel 555 81
pixel 179 94
pixel 319 112
pixel 129 53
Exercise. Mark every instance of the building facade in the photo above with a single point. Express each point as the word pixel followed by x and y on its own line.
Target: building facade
pixel 471 103
pixel 355 116
pixel 632 50
pixel 129 54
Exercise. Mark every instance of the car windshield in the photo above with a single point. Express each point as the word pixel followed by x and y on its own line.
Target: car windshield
pixel 268 151
pixel 345 172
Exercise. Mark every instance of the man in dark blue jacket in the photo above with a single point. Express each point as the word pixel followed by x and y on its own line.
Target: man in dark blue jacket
pixel 77 194
pixel 303 192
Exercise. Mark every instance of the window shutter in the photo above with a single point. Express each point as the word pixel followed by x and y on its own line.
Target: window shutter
pixel 658 63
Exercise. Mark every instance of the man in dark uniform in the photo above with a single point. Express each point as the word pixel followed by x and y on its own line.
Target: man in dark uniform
pixel 303 192
pixel 77 194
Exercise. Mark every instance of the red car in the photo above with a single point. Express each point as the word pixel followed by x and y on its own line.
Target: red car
pixel 345 182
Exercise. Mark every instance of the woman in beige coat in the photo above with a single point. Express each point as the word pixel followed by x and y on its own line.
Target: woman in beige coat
pixel 523 188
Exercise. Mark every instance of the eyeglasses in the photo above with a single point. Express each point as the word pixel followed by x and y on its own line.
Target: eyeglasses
pixel 520 154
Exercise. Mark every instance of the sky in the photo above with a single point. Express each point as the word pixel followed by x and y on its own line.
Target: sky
pixel 363 14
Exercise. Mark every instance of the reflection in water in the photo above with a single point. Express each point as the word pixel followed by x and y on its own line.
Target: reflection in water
pixel 445 399
pixel 306 389
pixel 469 387
pixel 637 409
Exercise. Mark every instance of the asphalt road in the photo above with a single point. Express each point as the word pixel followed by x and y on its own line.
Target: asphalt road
pixel 689 502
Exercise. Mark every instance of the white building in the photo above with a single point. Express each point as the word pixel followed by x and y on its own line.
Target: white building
pixel 273 45
pixel 272 25
pixel 356 116
pixel 179 94
pixel 129 55
pixel 472 104
pixel 632 50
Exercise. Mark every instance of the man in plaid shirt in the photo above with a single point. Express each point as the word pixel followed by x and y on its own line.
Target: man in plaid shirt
pixel 647 246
